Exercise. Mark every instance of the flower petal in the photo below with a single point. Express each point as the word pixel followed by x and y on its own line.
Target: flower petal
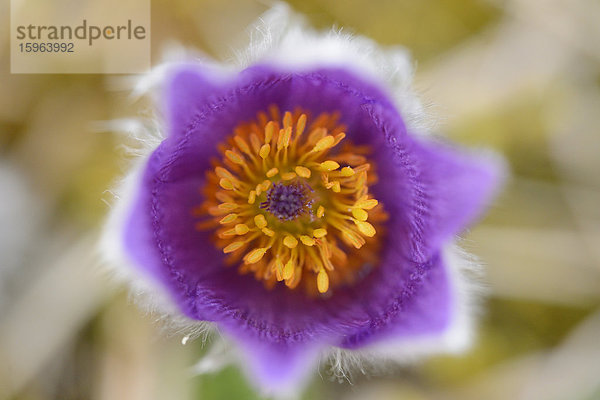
pixel 435 317
pixel 187 89
pixel 424 187
pixel 162 227
pixel 278 369
pixel 451 189
pixel 160 218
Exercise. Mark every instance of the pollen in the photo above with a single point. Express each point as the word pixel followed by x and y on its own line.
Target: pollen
pixel 255 255
pixel 324 143
pixel 290 242
pixel 360 214
pixel 322 281
pixel 319 232
pixel 303 172
pixel 289 202
pixel 260 221
pixel 329 165
pixel 241 229
pixel 320 211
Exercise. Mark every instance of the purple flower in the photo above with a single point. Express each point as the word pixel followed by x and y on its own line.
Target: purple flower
pixel 298 205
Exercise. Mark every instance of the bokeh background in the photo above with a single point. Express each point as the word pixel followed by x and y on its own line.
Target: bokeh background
pixel 519 76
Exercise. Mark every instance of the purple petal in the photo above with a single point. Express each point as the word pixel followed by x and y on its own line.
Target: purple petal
pixel 429 191
pixel 452 189
pixel 188 88
pixel 420 303
pixel 278 368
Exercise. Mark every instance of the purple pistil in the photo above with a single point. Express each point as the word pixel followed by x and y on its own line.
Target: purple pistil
pixel 287 202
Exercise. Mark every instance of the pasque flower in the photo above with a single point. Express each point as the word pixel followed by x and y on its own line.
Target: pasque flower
pixel 298 204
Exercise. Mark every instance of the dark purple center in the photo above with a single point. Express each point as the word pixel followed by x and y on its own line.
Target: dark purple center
pixel 287 202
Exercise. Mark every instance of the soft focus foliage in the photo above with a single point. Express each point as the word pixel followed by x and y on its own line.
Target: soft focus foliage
pixel 520 76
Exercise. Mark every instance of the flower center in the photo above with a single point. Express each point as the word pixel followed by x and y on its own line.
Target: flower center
pixel 287 202
pixel 293 206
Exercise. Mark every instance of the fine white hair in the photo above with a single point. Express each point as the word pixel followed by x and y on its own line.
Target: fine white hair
pixel 282 37
pixel 465 275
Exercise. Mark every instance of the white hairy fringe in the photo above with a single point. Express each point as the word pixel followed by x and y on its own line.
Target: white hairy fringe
pixel 141 138
pixel 283 38
pixel 280 38
pixel 465 276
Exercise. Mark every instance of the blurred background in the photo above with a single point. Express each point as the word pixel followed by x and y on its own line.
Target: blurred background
pixel 519 76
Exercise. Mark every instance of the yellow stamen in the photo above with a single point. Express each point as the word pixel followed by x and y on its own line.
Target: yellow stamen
pixel 360 214
pixel 362 179
pixel 338 138
pixel 260 221
pixel 279 269
pixel 229 232
pixel 265 149
pixel 366 204
pixel 268 232
pixel 241 143
pixel 347 172
pixel 352 239
pixel 320 232
pixel 227 206
pixel 265 185
pixel 241 229
pixel 301 125
pixel 324 143
pixel 226 184
pixel 329 165
pixel 287 120
pixel 228 219
pixel 290 241
pixel 287 135
pixel 320 211
pixel 233 247
pixel 269 130
pixel 280 140
pixel 288 270
pixel 365 228
pixel 255 255
pixel 275 150
pixel 255 142
pixel 224 173
pixel 316 134
pixel 288 176
pixel 302 171
pixel 252 197
pixel 234 157
pixel 322 281
pixel 307 240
